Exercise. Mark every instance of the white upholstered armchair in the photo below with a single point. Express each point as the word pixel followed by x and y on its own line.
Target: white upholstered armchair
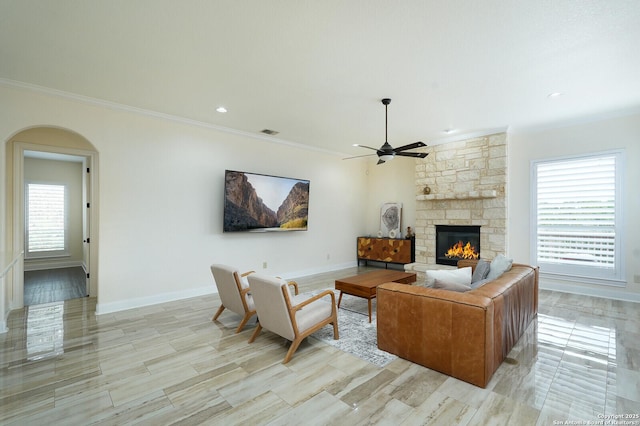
pixel 233 290
pixel 290 316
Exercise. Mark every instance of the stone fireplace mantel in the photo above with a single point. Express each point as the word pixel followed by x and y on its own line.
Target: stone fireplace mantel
pixel 471 195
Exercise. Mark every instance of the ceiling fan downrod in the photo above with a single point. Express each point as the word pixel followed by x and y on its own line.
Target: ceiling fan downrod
pixel 386 102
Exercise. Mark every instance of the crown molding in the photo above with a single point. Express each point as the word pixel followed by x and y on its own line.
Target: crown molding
pixel 154 114
pixel 576 121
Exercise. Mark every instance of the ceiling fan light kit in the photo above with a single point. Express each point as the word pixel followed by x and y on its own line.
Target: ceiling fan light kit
pixel 386 152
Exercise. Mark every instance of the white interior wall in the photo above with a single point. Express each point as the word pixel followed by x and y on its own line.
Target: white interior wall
pixel 596 136
pixel 161 192
pixel 391 182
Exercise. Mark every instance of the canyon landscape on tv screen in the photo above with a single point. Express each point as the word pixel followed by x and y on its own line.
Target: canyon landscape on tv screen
pixel 262 203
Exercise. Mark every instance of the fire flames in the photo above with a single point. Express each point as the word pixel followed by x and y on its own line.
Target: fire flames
pixel 462 251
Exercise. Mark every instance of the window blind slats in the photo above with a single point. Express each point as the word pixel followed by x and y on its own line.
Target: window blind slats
pixel 576 217
pixel 46 218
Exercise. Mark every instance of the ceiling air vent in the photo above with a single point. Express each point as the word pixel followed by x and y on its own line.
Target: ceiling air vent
pixel 269 132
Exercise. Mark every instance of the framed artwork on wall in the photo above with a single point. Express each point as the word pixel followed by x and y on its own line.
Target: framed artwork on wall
pixel 390 219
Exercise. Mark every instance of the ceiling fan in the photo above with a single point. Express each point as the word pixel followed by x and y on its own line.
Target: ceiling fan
pixel 386 152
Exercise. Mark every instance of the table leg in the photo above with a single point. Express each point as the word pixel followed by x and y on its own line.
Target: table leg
pixel 369 309
pixel 340 298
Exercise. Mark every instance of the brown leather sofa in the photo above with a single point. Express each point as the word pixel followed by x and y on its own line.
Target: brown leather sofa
pixel 464 335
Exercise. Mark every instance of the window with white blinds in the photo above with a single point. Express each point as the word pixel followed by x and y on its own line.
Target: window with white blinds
pixel 577 215
pixel 46 220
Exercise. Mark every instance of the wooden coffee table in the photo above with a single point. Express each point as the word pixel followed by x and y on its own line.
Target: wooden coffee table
pixel 364 285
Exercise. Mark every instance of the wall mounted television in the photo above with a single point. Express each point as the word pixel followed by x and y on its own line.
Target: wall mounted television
pixel 261 203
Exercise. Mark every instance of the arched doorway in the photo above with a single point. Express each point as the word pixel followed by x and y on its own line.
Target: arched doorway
pixel 53 144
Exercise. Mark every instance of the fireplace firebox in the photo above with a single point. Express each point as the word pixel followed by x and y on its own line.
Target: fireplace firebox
pixel 454 242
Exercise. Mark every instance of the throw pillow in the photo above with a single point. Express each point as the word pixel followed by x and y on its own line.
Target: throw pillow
pixel 499 265
pixel 479 284
pixel 481 271
pixel 459 276
pixel 451 286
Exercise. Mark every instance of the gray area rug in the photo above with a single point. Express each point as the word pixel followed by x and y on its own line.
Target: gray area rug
pixel 357 336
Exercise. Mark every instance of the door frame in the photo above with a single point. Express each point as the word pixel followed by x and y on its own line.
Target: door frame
pixel 90 186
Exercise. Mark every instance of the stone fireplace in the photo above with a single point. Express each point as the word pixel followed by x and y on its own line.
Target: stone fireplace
pixel 455 242
pixel 467 187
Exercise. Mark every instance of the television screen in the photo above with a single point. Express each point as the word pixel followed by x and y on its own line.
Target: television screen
pixel 260 203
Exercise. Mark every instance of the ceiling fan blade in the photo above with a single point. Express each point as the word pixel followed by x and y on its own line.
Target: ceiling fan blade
pixel 364 146
pixel 386 151
pixel 413 154
pixel 410 146
pixel 358 156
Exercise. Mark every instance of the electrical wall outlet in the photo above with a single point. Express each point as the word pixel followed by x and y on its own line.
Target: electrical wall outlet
pixel 264 265
pixel 636 279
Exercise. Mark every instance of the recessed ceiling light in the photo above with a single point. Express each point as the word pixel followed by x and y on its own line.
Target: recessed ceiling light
pixel 221 109
pixel 448 131
pixel 555 95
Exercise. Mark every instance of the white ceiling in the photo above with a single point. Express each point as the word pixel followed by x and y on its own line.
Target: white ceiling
pixel 316 70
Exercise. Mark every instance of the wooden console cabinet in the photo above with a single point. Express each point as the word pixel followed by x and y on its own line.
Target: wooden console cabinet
pixel 387 250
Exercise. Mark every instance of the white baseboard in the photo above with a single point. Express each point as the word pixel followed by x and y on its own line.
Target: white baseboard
pixel 604 292
pixel 319 270
pixel 107 308
pixel 53 264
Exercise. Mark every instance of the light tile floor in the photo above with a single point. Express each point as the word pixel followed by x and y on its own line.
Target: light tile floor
pixel 169 364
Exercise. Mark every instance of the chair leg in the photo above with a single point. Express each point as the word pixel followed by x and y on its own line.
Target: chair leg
pixel 292 349
pixel 255 333
pixel 336 336
pixel 246 318
pixel 220 309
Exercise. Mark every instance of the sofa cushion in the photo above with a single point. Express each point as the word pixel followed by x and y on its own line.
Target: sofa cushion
pixel 458 276
pixel 450 285
pixel 499 265
pixel 481 271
